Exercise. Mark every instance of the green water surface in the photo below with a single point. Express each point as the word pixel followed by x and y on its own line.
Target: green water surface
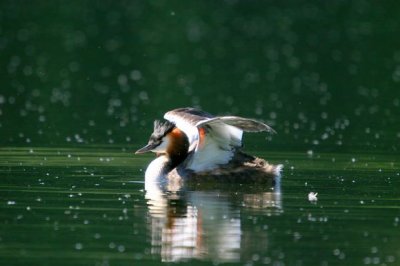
pixel 88 206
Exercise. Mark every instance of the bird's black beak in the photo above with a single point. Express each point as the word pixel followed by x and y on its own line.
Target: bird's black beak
pixel 147 148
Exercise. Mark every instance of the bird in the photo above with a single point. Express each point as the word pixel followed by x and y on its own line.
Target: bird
pixel 191 144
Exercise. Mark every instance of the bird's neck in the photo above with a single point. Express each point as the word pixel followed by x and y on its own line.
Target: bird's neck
pixel 178 149
pixel 176 153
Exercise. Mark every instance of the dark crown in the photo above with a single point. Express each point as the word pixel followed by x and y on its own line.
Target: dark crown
pixel 161 128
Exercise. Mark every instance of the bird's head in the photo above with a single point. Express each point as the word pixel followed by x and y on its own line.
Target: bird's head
pixel 161 138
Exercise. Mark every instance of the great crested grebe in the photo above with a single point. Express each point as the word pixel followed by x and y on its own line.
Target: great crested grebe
pixel 191 143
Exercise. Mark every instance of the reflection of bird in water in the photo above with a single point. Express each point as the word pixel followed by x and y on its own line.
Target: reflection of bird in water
pixel 192 143
pixel 203 223
pixel 200 225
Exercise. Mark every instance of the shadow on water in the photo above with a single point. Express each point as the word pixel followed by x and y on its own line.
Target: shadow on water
pixel 204 220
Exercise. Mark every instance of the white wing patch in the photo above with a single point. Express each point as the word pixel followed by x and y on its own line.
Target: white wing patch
pixel 190 129
pixel 216 148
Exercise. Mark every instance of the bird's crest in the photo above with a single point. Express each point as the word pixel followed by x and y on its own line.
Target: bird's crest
pixel 161 128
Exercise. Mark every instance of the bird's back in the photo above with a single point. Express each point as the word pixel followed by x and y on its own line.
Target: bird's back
pixel 242 168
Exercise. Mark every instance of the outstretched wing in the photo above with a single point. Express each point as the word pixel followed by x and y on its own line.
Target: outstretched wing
pixel 186 119
pixel 245 124
pixel 213 140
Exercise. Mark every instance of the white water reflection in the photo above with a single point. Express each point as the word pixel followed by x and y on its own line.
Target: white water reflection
pixel 202 222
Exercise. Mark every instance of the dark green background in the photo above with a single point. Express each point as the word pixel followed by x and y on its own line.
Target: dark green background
pixel 324 74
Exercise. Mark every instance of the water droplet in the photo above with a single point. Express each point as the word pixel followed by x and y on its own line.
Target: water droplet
pixel 78 246
pixel 121 248
pixel 135 75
